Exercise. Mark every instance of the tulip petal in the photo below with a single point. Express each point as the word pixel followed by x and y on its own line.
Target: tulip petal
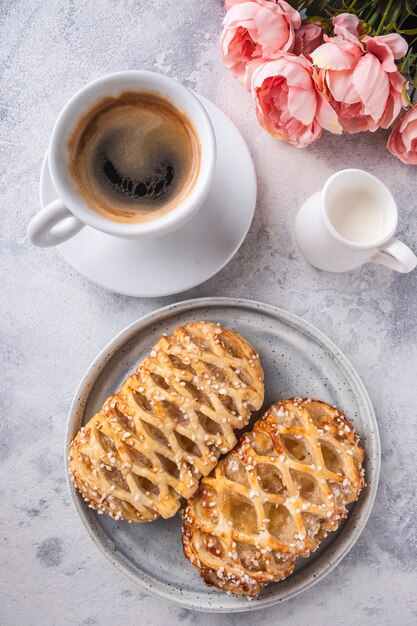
pixel 346 26
pixel 397 44
pixel 403 139
pixel 241 15
pixel 395 101
pixel 326 115
pixel 293 14
pixel 237 49
pixel 302 104
pixel 346 21
pixel 273 32
pixel 289 66
pixel 336 55
pixel 372 84
pixel 410 116
pixel 382 52
pixel 341 86
pixel 410 135
pixel 230 3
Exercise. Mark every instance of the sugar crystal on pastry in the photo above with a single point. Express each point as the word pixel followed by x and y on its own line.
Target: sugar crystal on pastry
pixel 273 497
pixel 167 426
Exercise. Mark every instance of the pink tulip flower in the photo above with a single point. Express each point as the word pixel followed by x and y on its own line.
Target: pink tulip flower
pixel 403 139
pixel 360 77
pixel 288 102
pixel 254 29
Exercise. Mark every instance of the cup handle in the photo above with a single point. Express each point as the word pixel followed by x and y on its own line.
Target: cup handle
pixel 397 256
pixel 53 225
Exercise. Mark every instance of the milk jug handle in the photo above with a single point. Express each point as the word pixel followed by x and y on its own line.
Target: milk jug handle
pixel 396 255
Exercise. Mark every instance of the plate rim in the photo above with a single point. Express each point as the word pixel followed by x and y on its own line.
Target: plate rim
pixel 99 362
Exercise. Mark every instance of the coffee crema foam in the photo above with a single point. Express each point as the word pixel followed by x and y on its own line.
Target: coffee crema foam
pixel 134 157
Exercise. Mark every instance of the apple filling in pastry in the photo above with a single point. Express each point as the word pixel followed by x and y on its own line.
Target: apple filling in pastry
pixel 273 497
pixel 167 426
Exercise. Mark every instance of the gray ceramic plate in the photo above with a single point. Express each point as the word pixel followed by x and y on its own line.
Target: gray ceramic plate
pixel 298 361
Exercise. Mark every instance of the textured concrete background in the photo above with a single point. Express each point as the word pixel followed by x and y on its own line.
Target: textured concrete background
pixel 54 322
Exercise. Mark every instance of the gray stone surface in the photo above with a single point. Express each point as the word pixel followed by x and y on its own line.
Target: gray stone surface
pixel 54 322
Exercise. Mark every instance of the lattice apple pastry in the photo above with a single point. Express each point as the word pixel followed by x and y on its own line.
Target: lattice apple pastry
pixel 166 427
pixel 273 497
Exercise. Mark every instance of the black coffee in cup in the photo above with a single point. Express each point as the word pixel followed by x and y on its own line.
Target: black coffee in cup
pixel 134 157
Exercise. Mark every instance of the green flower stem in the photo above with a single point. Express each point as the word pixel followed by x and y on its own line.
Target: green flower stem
pixel 384 17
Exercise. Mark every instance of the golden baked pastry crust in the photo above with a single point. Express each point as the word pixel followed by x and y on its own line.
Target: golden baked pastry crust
pixel 273 497
pixel 166 427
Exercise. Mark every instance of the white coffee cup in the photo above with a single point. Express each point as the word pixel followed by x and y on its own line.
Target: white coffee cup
pixel 65 217
pixel 349 222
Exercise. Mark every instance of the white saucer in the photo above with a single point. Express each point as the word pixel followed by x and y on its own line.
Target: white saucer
pixel 187 257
